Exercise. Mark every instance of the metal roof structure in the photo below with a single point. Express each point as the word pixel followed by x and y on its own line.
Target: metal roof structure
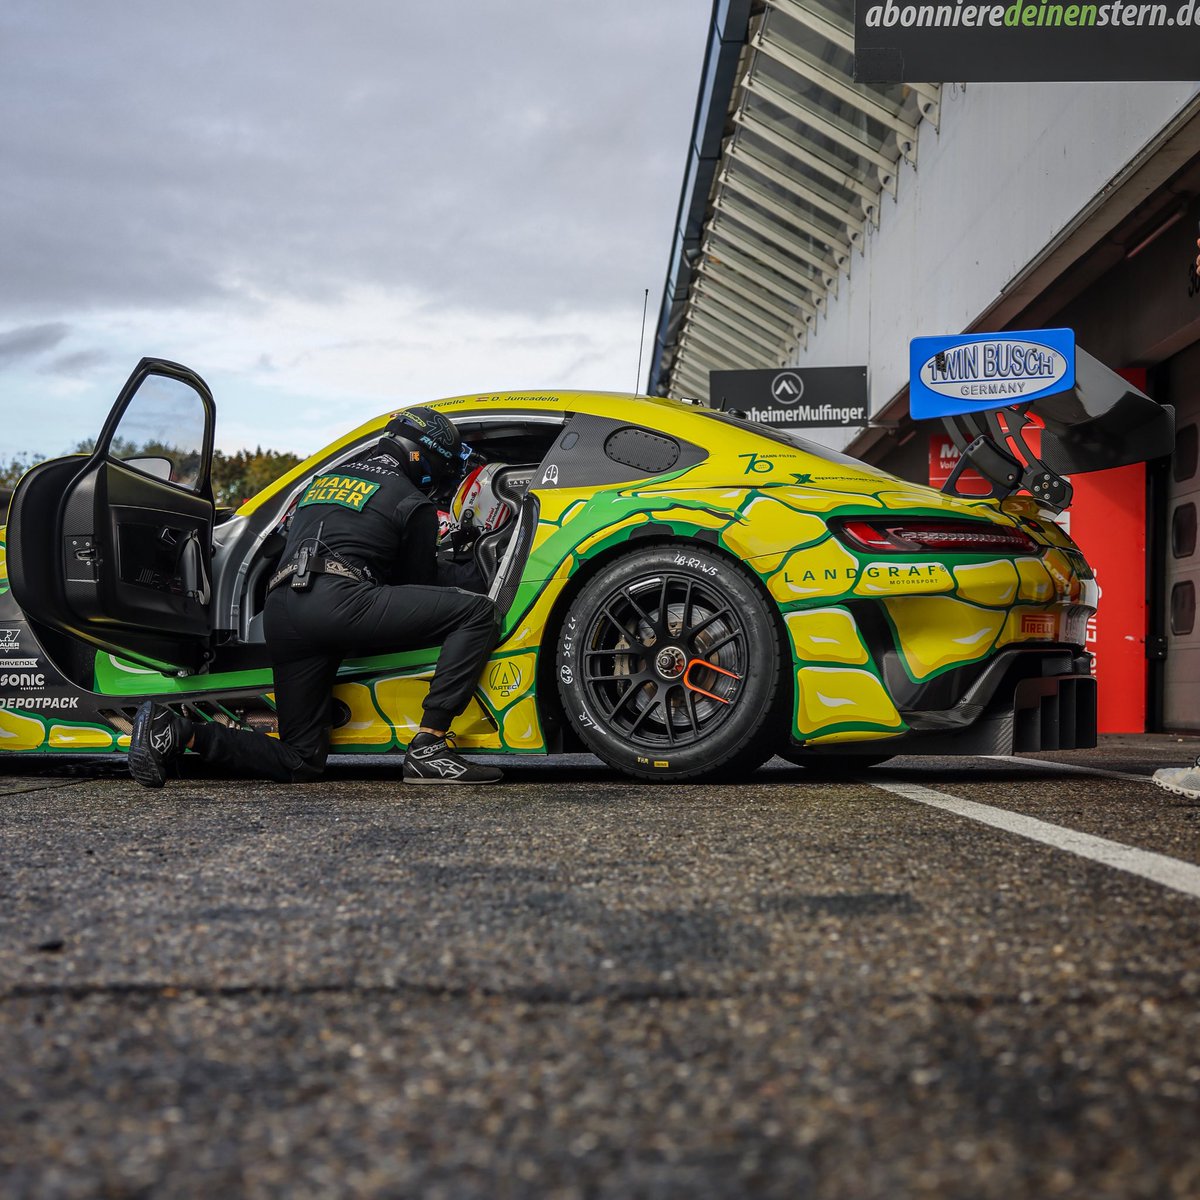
pixel 788 163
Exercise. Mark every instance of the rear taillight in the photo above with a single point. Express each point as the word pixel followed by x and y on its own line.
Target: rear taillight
pixel 892 536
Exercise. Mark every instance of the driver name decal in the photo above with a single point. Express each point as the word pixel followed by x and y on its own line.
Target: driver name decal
pixel 346 490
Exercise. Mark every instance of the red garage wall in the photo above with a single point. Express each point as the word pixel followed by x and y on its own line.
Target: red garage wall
pixel 1108 522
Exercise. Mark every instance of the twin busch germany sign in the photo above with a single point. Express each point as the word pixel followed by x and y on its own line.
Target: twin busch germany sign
pixel 971 372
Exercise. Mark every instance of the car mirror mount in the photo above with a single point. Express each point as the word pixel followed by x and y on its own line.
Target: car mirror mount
pixel 151 464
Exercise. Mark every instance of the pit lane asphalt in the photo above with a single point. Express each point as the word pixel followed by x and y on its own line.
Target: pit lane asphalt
pixel 576 986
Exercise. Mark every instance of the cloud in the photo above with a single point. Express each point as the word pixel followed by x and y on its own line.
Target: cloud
pixel 204 153
pixel 30 341
pixel 80 362
pixel 310 196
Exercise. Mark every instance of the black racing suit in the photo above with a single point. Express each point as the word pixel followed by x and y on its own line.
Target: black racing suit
pixel 368 514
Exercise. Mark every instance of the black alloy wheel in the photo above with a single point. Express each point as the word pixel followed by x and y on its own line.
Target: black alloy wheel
pixel 669 665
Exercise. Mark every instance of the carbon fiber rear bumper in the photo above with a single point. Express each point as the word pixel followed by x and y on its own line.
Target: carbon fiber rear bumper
pixel 1024 699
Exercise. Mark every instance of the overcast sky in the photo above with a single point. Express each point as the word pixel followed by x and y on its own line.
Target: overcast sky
pixel 328 210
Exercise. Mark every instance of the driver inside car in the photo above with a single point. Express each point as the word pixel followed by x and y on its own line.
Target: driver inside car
pixel 360 574
pixel 476 510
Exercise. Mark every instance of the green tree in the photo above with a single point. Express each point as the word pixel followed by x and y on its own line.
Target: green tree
pixel 237 477
pixel 15 468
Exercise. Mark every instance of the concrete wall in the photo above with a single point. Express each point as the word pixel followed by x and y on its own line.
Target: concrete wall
pixel 1009 169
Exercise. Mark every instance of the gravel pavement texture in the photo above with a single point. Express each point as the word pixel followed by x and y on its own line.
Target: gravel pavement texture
pixel 576 986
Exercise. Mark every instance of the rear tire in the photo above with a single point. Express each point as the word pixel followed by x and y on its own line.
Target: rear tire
pixel 669 666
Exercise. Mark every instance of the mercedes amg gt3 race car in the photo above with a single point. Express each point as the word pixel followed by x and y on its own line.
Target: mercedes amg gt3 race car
pixel 683 593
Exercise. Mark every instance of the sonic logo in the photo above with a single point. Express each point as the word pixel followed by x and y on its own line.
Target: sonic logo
pixel 504 678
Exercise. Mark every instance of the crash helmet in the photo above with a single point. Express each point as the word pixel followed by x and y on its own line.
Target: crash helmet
pixel 477 503
pixel 430 445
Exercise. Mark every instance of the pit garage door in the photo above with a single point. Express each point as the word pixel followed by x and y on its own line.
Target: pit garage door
pixel 1181 676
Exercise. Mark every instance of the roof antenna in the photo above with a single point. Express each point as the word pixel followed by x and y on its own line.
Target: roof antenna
pixel 641 340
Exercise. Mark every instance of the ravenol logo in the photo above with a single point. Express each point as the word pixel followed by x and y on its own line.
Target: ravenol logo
pixel 973 372
pixel 504 678
pixel 787 387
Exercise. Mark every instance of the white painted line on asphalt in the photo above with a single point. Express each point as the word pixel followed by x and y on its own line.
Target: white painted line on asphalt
pixel 1071 768
pixel 1158 868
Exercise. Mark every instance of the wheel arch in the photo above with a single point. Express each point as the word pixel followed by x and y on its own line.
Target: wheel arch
pixel 560 738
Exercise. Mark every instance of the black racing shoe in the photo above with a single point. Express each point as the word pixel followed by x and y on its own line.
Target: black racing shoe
pixel 431 759
pixel 158 737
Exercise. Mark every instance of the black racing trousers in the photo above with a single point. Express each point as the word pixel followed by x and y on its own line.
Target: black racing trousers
pixel 309 633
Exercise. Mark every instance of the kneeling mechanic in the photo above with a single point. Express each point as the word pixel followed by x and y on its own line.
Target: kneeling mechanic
pixel 359 575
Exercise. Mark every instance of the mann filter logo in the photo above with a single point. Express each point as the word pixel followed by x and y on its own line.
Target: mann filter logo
pixel 1037 625
pixel 346 490
pixel 504 678
pixel 787 387
pixel 948 376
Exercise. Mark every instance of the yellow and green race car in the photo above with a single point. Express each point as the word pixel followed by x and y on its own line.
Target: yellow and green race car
pixel 683 592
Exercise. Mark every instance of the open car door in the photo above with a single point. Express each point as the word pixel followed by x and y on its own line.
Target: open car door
pixel 115 548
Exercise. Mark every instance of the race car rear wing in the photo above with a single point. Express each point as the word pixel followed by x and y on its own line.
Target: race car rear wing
pixel 1089 418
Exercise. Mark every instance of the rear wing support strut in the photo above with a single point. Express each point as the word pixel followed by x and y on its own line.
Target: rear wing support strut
pixel 983 440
